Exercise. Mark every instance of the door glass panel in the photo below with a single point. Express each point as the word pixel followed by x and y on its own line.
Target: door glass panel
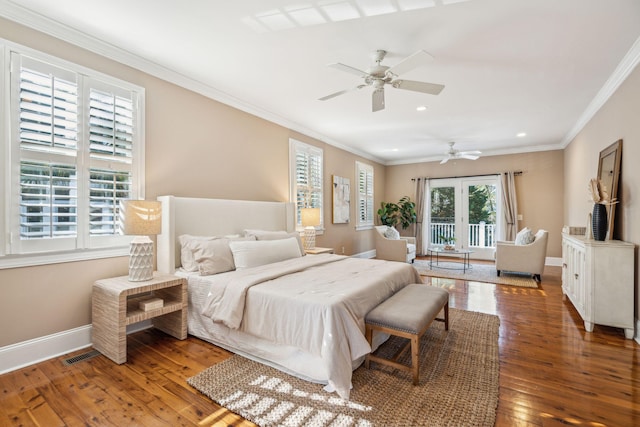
pixel 482 216
pixel 443 214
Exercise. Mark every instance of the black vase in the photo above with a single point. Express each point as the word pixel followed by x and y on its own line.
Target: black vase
pixel 599 221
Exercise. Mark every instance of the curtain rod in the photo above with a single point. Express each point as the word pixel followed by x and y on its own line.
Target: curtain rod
pixel 517 173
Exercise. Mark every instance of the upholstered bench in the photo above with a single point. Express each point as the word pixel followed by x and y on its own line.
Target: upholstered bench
pixel 408 313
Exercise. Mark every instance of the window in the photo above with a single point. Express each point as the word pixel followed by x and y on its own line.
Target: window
pixel 306 177
pixel 76 149
pixel 364 174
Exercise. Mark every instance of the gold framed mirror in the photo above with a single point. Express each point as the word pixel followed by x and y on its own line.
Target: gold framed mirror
pixel 609 175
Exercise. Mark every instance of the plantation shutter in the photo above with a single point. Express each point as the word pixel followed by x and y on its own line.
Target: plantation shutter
pixel 308 173
pixel 75 152
pixel 365 194
pixel 46 106
pixel 111 124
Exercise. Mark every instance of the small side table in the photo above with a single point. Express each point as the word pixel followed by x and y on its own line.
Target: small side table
pixel 115 304
pixel 317 250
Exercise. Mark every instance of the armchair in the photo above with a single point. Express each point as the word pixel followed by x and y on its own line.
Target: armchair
pixel 402 249
pixel 528 258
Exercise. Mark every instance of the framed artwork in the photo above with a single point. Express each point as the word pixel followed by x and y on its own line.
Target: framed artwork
pixel 341 199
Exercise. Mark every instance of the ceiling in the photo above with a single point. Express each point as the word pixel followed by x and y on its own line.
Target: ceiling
pixel 509 66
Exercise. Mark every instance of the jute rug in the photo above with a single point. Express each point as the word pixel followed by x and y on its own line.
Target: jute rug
pixel 477 273
pixel 459 377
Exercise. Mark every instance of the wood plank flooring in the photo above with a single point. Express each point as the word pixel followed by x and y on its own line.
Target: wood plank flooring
pixel 552 372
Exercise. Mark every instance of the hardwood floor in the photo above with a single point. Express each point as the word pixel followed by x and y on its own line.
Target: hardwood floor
pixel 552 372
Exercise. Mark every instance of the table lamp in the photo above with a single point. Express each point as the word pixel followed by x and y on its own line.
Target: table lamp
pixel 310 219
pixel 140 218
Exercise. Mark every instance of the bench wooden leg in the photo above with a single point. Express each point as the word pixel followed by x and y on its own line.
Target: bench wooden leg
pixel 368 336
pixel 446 316
pixel 415 360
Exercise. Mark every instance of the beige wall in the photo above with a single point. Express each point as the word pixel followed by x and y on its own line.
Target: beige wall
pixel 195 147
pixel 617 119
pixel 539 189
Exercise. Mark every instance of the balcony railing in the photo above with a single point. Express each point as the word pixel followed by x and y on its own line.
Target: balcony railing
pixel 481 235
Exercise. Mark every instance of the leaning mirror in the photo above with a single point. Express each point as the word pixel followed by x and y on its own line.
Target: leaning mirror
pixel 609 174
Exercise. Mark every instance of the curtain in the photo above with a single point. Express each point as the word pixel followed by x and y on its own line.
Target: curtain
pixel 510 206
pixel 422 189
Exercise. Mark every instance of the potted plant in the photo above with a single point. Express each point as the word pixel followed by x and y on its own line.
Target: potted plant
pixel 449 242
pixel 403 213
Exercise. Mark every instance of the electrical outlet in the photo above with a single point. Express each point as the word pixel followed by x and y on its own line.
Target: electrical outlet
pixel 519 217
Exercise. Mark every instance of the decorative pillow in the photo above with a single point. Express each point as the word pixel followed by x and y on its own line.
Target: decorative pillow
pixel 189 243
pixel 392 233
pixel 213 257
pixel 525 237
pixel 253 254
pixel 275 235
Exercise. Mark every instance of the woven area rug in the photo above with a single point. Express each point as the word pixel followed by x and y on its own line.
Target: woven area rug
pixel 459 380
pixel 477 273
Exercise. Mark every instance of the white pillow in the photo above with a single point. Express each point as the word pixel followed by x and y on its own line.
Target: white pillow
pixel 525 237
pixel 189 244
pixel 391 233
pixel 275 235
pixel 214 256
pixel 253 254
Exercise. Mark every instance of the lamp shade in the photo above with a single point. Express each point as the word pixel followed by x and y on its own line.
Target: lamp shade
pixel 310 217
pixel 140 217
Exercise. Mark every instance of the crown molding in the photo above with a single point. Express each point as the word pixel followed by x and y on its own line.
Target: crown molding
pixel 622 71
pixel 50 27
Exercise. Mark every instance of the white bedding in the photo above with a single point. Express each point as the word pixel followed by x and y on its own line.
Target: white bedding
pixel 305 315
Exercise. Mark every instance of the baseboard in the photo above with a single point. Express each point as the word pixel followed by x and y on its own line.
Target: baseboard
pixel 19 355
pixel 553 261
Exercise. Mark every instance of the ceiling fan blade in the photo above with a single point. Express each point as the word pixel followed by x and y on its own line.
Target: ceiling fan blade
pixel 471 152
pixel 409 63
pixel 348 69
pixel 445 160
pixel 377 99
pixel 342 92
pixel 424 87
pixel 468 156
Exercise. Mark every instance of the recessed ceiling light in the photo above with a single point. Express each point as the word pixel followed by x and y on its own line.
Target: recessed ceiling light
pixel 421 108
pixel 521 135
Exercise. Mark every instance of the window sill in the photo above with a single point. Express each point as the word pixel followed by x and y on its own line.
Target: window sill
pixel 15 261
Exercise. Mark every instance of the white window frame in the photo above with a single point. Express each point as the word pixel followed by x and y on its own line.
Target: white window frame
pixel 295 148
pixel 364 197
pixel 86 246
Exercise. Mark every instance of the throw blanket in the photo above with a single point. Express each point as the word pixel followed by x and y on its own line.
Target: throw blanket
pixel 316 303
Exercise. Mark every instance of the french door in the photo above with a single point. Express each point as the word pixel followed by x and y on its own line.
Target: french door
pixel 463 212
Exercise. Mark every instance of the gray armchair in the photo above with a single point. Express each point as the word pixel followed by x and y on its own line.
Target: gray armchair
pixel 402 250
pixel 523 258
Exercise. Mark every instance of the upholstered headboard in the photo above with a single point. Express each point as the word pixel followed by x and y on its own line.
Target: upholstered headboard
pixel 214 217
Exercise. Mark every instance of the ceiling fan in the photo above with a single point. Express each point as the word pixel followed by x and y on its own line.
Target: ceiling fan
pixel 379 75
pixel 455 154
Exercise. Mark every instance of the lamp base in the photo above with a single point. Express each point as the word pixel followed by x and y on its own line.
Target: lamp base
pixel 309 238
pixel 141 259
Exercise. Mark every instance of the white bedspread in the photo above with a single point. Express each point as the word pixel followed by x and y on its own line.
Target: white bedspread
pixel 315 303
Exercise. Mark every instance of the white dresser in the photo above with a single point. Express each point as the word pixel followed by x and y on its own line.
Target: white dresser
pixel 598 279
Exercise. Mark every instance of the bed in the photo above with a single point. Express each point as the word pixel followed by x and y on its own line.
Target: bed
pixel 301 314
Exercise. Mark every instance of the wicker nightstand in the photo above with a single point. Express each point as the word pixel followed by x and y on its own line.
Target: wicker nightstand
pixel 116 304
